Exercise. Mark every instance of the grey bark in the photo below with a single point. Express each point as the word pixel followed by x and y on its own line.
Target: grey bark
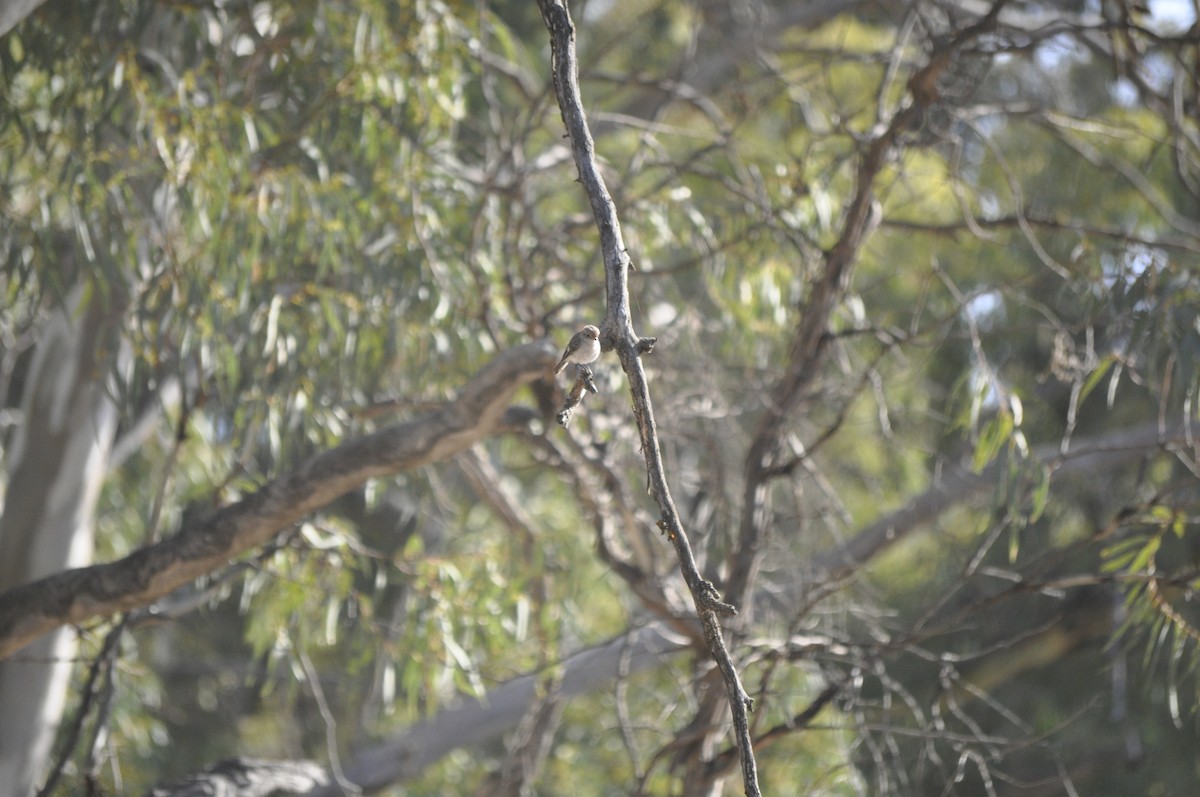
pixel 248 777
pixel 13 11
pixel 56 462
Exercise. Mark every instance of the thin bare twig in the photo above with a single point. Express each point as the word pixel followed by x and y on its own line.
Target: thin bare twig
pixel 335 760
pixel 617 334
pixel 99 669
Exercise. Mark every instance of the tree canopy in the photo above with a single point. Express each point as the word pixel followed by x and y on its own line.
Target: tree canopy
pixel 907 363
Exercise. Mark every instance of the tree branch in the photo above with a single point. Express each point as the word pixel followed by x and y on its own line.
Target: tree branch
pixel 248 777
pixel 617 333
pixel 1091 457
pixel 477 721
pixel 75 596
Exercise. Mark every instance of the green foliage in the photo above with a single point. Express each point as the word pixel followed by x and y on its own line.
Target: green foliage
pixel 302 211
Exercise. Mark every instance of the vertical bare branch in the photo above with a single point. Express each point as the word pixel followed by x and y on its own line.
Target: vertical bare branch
pixel 617 333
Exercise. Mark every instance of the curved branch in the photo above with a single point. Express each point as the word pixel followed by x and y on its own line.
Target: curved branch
pixel 74 596
pixel 618 333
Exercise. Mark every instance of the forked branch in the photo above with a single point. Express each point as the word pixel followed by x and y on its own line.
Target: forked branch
pixel 617 334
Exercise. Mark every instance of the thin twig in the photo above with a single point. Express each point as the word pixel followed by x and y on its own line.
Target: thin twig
pixel 335 761
pixel 99 736
pixel 617 334
pixel 102 663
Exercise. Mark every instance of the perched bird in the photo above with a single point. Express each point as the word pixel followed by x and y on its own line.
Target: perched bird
pixel 583 348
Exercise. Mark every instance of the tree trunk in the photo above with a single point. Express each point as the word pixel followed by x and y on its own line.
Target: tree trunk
pixel 56 462
pixel 13 11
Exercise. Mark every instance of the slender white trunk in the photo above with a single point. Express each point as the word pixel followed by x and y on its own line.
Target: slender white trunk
pixel 56 464
pixel 13 11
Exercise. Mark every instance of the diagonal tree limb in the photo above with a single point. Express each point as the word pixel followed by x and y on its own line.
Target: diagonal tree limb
pixel 1089 457
pixel 478 721
pixel 810 340
pixel 618 333
pixel 75 596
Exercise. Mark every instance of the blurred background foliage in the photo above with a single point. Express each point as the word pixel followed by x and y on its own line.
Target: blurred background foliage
pixel 315 217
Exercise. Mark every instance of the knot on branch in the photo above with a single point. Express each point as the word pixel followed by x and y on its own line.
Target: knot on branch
pixel 665 527
pixel 584 382
pixel 646 345
pixel 710 599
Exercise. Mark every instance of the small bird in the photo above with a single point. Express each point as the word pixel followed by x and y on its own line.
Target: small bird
pixel 583 348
